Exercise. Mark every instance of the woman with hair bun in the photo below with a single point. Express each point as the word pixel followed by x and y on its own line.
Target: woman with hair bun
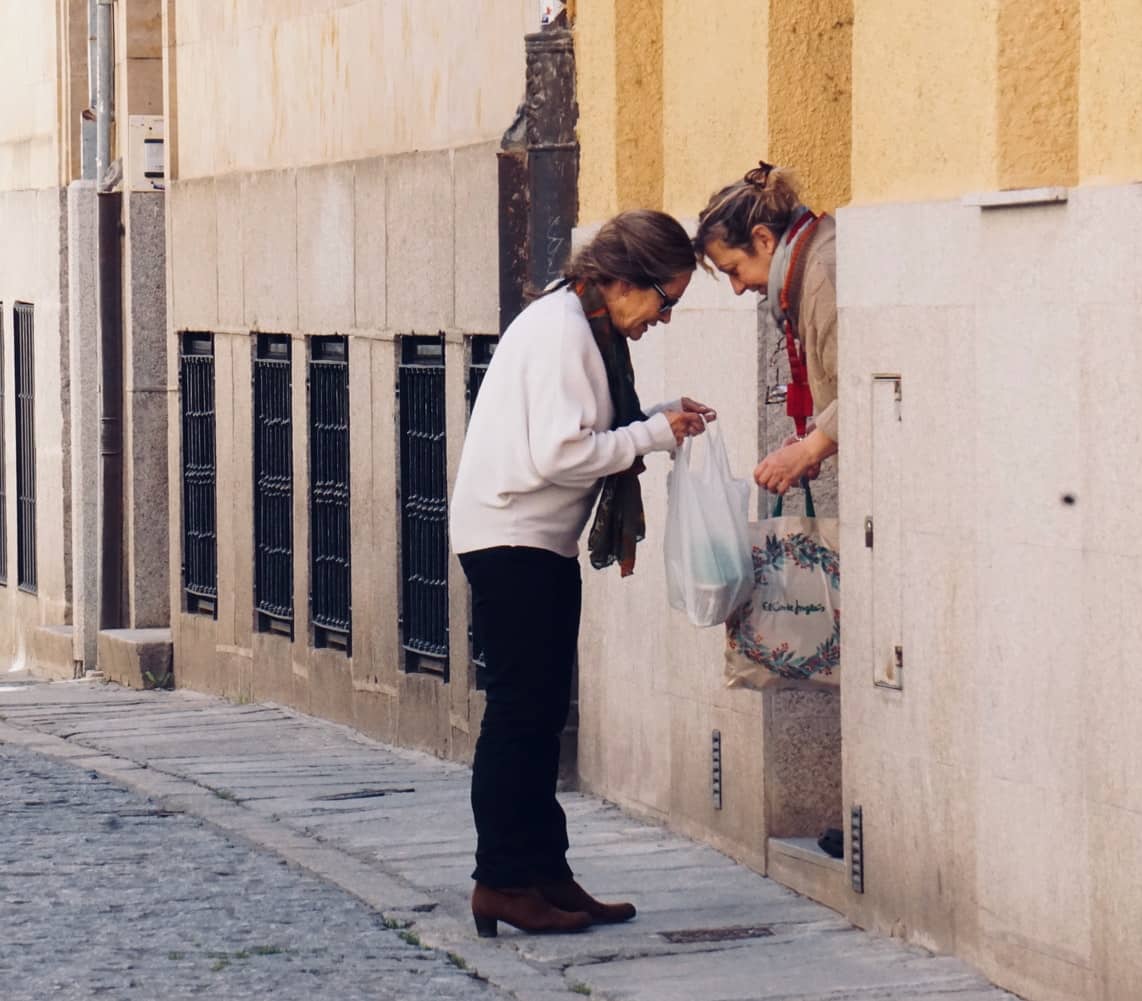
pixel 557 425
pixel 757 233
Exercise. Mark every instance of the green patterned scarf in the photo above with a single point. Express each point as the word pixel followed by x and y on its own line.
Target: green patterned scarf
pixel 619 520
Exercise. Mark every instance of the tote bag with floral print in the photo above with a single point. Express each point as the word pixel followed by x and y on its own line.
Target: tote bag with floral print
pixel 789 631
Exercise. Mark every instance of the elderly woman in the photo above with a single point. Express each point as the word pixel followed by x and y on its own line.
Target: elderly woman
pixel 557 425
pixel 757 232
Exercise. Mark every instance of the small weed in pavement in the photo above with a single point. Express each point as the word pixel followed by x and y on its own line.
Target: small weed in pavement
pixel 411 937
pixel 457 961
pixel 578 988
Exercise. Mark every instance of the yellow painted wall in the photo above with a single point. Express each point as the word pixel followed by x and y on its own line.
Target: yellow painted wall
pixel 810 96
pixel 1038 44
pixel 924 82
pixel 639 140
pixel 1110 91
pixel 265 84
pixel 29 147
pixel 596 91
pixel 678 98
pixel 715 119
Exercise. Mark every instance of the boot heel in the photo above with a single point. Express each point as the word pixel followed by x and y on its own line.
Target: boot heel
pixel 486 927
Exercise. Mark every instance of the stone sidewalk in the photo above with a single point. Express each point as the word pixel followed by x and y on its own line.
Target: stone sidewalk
pixel 392 827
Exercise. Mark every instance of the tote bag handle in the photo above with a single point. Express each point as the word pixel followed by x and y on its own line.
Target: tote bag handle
pixel 810 510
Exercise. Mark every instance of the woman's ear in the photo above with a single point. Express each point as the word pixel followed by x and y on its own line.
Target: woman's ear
pixel 763 240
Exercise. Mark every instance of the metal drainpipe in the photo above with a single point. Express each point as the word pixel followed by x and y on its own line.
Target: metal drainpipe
pixel 92 51
pixel 110 208
pixel 104 86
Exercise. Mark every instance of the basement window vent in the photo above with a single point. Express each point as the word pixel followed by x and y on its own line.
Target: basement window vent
pixel 25 359
pixel 424 506
pixel 199 475
pixel 3 464
pixel 329 538
pixel 273 485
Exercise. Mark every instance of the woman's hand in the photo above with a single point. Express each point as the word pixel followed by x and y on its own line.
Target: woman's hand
pixel 783 468
pixel 815 469
pixel 685 424
pixel 694 407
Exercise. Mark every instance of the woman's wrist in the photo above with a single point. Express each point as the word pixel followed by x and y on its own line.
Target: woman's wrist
pixel 817 446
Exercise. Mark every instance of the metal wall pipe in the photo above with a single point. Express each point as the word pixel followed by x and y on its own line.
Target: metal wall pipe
pixel 104 86
pixel 112 579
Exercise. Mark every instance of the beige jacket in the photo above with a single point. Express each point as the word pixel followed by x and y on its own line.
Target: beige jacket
pixel 817 323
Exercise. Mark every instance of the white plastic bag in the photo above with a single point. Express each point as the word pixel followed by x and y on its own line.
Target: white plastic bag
pixel 709 570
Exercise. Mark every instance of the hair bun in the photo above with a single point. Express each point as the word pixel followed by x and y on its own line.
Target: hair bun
pixel 759 176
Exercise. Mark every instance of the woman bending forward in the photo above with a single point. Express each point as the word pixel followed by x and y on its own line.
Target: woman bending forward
pixel 556 427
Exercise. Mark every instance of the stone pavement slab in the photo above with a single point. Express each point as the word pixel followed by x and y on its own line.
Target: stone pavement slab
pixel 393 828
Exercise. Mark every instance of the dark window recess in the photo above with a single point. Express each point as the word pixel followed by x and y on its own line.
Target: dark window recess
pixel 329 551
pixel 25 447
pixel 424 506
pixel 3 464
pixel 199 475
pixel 273 486
pixel 482 347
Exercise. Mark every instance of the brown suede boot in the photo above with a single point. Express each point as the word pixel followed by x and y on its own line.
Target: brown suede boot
pixel 524 908
pixel 568 895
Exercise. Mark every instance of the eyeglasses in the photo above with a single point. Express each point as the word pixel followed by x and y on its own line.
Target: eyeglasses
pixel 668 303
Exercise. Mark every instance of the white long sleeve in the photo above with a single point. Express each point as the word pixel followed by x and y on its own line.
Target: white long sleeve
pixel 539 439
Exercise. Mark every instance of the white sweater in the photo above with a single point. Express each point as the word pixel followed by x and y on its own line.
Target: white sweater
pixel 539 439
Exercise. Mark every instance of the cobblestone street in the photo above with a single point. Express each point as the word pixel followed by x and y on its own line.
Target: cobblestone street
pixel 105 895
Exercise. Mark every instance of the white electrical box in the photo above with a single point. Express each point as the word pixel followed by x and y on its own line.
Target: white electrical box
pixel 146 153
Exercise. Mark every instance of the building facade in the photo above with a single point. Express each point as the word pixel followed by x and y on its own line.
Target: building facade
pixel 983 160
pixel 238 355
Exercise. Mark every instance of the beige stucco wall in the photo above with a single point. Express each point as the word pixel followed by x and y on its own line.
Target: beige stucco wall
pixel 336 173
pixel 29 144
pixel 651 689
pixel 31 271
pixel 1000 786
pixel 263 84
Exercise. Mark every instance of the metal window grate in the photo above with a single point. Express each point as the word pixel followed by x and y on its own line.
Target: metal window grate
pixel 424 506
pixel 273 485
pixel 481 348
pixel 25 447
pixel 329 543
pixel 3 463
pixel 199 475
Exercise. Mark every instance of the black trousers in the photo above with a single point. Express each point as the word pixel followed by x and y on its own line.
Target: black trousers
pixel 526 604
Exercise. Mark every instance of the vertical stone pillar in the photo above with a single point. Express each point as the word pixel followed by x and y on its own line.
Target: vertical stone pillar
pixel 147 509
pixel 552 152
pixel 83 361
